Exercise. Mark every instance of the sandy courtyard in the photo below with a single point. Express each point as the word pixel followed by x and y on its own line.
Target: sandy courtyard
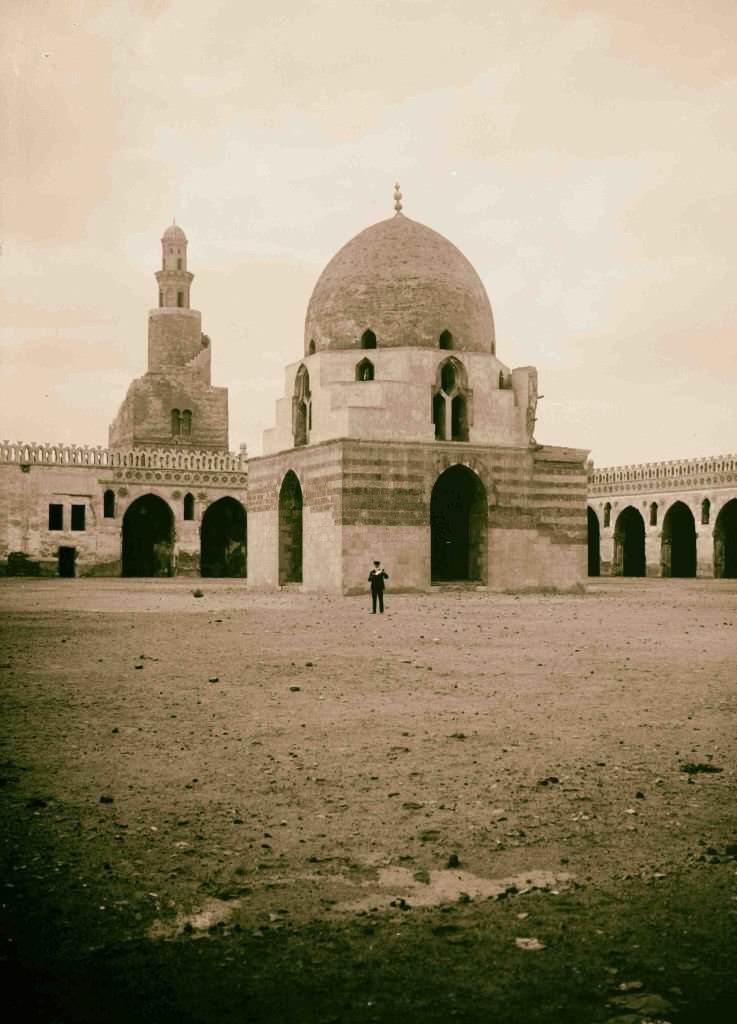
pixel 282 808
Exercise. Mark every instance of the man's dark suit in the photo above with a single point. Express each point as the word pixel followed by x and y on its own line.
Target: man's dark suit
pixel 376 579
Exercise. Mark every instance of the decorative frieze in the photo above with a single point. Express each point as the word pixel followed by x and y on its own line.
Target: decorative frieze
pixel 717 470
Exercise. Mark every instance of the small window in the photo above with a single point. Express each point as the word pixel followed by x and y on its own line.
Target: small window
pixel 365 370
pixel 459 419
pixel 654 513
pixel 179 264
pixel 56 517
pixel 78 517
pixel 108 505
pixel 176 422
pixel 438 415
pixel 448 377
pixel 311 347
pixel 607 514
pixel 189 506
pixel 501 380
pixel 161 298
pixel 187 423
pixel 445 340
pixel 180 299
pixel 705 511
pixel 368 339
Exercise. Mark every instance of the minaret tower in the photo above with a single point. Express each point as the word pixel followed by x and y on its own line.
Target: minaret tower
pixel 174 279
pixel 174 402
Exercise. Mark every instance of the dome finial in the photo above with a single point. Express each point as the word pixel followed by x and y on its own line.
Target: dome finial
pixel 397 198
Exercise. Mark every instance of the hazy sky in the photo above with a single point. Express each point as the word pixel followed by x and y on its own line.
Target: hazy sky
pixel 583 155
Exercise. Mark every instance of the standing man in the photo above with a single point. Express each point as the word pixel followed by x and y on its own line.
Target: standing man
pixel 376 579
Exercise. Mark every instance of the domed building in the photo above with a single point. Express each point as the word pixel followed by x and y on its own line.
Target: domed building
pixel 401 436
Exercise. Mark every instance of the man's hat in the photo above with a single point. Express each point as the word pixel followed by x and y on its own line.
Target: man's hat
pixel 377 562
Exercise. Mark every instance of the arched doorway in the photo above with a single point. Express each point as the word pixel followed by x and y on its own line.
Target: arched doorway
pixel 678 542
pixel 458 526
pixel 290 530
pixel 148 537
pixel 725 542
pixel 223 539
pixel 629 543
pixel 594 540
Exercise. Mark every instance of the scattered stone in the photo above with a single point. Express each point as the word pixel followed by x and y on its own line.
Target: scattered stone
pixel 198 593
pixel 531 944
pixel 412 805
pixel 454 861
pixel 707 769
pixel 731 849
pixel 295 689
pixel 106 799
pixel 639 795
pixel 551 780
pixel 115 730
pixel 309 664
pixel 457 736
pixel 214 679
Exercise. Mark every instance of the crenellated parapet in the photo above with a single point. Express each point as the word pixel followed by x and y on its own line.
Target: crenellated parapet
pixel 713 470
pixel 28 453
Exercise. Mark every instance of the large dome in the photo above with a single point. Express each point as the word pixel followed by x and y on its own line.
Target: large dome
pixel 404 283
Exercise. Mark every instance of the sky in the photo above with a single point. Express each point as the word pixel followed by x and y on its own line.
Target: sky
pixel 583 156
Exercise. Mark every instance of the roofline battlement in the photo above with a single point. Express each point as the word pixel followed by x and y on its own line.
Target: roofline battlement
pixel 29 453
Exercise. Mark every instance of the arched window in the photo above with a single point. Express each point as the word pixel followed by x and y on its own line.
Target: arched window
pixel 501 380
pixel 301 408
pixel 445 340
pixel 654 513
pixel 179 264
pixel 108 505
pixel 180 299
pixel 187 423
pixel 161 298
pixel 189 506
pixel 365 370
pixel 607 514
pixel 311 347
pixel 705 512
pixel 176 423
pixel 368 339
pixel 451 404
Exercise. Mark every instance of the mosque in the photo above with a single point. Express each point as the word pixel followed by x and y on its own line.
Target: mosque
pixel 400 435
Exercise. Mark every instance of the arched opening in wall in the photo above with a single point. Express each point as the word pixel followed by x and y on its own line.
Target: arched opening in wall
pixel 176 422
pixel 629 543
pixel 459 419
pixel 438 415
pixel 108 505
pixel 607 514
pixel 301 408
pixel 448 376
pixel 223 539
pixel 180 299
pixel 188 510
pixel 458 526
pixel 290 530
pixel 187 423
pixel 705 512
pixel 725 542
pixel 368 339
pixel 148 537
pixel 311 347
pixel 365 370
pixel 594 543
pixel 653 513
pixel 678 542
pixel 445 340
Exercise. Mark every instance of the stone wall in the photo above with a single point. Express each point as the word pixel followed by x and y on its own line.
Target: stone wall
pixel 34 476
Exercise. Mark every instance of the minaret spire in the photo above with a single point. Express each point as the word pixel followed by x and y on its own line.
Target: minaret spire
pixel 174 279
pixel 397 198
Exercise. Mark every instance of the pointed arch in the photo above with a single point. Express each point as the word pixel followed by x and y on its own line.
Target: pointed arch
pixel 594 542
pixel 629 543
pixel 223 539
pixel 678 542
pixel 290 529
pixel 301 407
pixel 451 407
pixel 148 537
pixel 368 339
pixel 188 507
pixel 445 340
pixel 458 526
pixel 108 505
pixel 176 423
pixel 725 542
pixel 365 370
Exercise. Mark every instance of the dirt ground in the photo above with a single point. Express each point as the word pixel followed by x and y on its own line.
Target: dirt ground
pixel 478 807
